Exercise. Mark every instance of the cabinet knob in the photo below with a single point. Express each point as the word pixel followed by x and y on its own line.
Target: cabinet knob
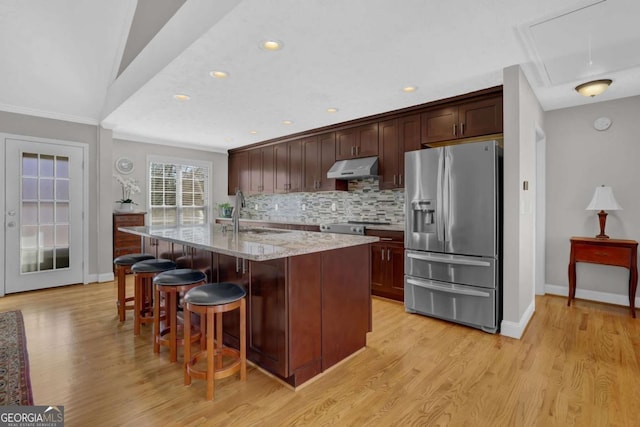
pixel 461 129
pixel 454 129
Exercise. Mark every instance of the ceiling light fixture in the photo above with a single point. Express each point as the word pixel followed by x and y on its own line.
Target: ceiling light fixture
pixel 593 88
pixel 409 89
pixel 332 110
pixel 181 97
pixel 271 45
pixel 219 74
pixel 287 122
pixel 253 132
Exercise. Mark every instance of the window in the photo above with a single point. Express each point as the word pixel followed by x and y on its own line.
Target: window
pixel 178 192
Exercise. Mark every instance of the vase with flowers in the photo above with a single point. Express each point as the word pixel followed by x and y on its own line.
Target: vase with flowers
pixel 129 187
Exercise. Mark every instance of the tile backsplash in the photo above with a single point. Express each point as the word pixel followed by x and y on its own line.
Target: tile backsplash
pixel 363 202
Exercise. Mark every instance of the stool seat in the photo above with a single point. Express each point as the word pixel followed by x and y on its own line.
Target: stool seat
pixel 181 276
pixel 153 266
pixel 215 294
pixel 130 259
pixel 123 265
pixel 211 301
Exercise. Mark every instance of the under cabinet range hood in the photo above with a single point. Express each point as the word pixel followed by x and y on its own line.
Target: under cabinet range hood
pixel 354 168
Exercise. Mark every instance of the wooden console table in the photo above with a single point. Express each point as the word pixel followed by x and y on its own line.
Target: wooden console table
pixel 620 253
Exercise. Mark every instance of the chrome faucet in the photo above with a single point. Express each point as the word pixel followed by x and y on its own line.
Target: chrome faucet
pixel 235 215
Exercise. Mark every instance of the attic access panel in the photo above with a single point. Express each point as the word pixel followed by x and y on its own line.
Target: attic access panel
pixel 598 38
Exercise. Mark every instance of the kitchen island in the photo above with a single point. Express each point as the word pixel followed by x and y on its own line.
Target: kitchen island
pixel 308 293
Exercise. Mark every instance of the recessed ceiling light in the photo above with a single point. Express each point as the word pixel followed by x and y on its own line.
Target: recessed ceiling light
pixel 181 97
pixel 332 110
pixel 271 45
pixel 409 89
pixel 287 122
pixel 253 132
pixel 219 74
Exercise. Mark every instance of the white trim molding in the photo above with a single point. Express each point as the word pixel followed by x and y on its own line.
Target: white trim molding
pixel 605 297
pixel 516 329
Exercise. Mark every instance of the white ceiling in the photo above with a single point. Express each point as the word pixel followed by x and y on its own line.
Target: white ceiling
pixel 60 59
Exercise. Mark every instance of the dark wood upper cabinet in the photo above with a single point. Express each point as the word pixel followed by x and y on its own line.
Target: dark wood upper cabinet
pixel 261 170
pixel 465 120
pixel 359 141
pixel 288 166
pixel 318 155
pixel 396 137
pixel 238 172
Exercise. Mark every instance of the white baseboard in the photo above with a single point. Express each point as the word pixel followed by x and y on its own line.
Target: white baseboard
pixel 100 277
pixel 598 296
pixel 515 330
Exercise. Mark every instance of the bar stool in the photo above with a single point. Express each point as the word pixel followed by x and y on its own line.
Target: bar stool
pixel 123 265
pixel 168 286
pixel 144 272
pixel 211 300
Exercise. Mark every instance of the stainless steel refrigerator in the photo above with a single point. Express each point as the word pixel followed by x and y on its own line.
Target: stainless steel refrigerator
pixel 453 233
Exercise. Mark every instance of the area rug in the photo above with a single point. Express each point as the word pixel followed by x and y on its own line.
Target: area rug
pixel 15 384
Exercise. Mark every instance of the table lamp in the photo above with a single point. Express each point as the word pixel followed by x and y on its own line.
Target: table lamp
pixel 603 199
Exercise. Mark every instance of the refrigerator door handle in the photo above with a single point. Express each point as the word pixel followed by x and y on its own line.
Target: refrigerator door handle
pixel 439 199
pixel 446 194
pixel 428 284
pixel 447 260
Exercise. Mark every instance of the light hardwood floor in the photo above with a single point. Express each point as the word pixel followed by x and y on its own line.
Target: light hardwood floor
pixel 574 366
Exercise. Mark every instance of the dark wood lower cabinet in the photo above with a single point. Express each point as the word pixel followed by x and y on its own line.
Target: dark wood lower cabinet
pixel 387 264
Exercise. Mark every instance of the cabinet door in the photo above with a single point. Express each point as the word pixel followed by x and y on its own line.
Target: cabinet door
pixel 255 170
pixel 267 331
pixel 233 270
pixel 367 145
pixel 409 138
pixel 327 157
pixel 238 172
pixel 346 141
pixel 295 166
pixel 311 163
pixel 440 125
pixel 281 165
pixel 396 270
pixel 267 169
pixel 378 268
pixel 481 117
pixel 389 166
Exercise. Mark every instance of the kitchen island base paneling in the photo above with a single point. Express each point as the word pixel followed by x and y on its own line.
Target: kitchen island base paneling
pixel 305 313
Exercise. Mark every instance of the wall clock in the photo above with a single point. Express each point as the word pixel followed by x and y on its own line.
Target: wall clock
pixel 124 165
pixel 602 123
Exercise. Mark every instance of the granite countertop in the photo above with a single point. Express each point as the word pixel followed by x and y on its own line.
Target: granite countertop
pixel 256 244
pixel 388 227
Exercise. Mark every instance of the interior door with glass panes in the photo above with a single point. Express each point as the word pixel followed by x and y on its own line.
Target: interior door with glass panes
pixel 43 218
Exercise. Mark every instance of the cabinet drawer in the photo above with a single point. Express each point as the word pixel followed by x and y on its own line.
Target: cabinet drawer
pixel 387 236
pixel 128 220
pixel 602 255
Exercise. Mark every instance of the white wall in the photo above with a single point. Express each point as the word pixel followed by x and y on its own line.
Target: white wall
pixel 523 116
pixel 579 158
pixel 138 152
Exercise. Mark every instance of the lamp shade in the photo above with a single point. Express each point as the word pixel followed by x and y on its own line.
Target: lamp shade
pixel 603 200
